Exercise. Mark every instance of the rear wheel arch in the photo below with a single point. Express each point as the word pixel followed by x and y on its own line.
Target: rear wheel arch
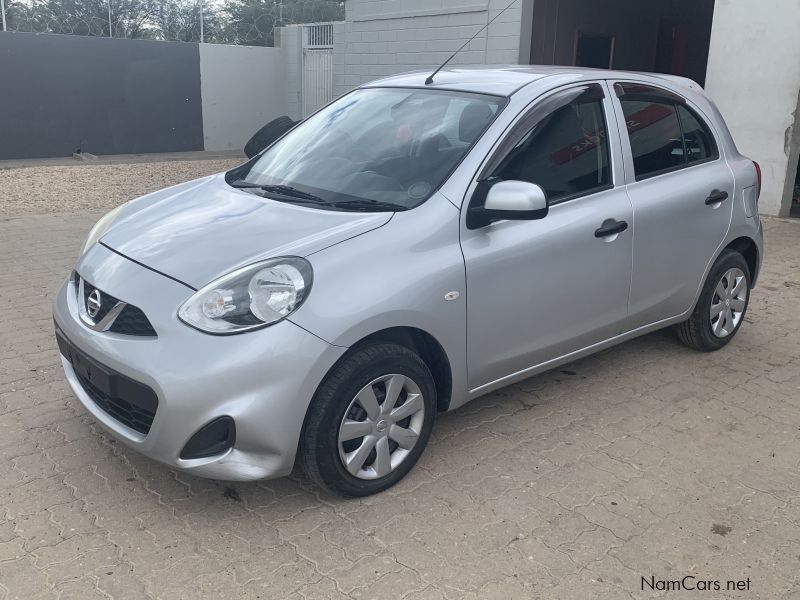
pixel 749 250
pixel 699 330
pixel 743 245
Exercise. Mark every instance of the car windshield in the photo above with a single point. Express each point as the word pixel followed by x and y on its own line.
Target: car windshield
pixel 373 149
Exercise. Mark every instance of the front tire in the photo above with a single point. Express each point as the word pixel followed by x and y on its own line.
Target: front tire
pixel 722 305
pixel 369 421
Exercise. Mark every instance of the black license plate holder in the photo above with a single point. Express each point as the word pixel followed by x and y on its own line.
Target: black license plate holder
pixel 86 367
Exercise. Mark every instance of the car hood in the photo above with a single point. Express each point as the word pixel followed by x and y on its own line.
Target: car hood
pixel 200 230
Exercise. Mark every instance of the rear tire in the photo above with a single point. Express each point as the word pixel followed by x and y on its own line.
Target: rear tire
pixel 722 305
pixel 353 442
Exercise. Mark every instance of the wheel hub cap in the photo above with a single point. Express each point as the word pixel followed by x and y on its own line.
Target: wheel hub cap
pixel 728 302
pixel 381 426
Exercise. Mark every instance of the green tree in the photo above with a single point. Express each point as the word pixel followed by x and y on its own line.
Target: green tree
pixel 253 21
pixel 312 11
pixel 132 18
pixel 129 18
pixel 20 16
pixel 236 21
pixel 179 20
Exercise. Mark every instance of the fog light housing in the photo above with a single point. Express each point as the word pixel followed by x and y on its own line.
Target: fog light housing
pixel 213 438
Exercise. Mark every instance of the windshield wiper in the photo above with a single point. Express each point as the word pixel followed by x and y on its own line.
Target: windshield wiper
pixel 287 191
pixel 281 190
pixel 367 205
pixel 242 184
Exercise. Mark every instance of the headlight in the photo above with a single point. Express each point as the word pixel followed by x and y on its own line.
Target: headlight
pixel 105 222
pixel 249 298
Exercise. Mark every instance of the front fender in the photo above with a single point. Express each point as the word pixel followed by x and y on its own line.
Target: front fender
pixel 395 276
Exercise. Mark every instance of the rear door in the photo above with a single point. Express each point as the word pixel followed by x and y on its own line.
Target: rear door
pixel 681 190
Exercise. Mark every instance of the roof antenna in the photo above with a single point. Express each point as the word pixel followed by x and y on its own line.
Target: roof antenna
pixel 429 80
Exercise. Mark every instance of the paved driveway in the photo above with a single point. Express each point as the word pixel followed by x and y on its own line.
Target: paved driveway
pixel 645 461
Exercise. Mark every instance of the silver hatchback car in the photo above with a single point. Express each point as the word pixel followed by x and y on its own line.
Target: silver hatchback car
pixel 404 250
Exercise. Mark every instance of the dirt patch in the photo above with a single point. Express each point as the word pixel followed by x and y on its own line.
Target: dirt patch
pixel 721 529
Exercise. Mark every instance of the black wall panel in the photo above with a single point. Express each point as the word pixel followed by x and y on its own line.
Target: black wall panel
pixel 112 96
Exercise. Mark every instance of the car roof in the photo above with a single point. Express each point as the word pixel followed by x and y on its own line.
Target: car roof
pixel 505 80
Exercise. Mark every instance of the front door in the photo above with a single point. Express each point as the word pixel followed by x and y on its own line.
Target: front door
pixel 682 196
pixel 537 290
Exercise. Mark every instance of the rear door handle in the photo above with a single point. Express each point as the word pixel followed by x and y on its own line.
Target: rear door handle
pixel 610 227
pixel 716 196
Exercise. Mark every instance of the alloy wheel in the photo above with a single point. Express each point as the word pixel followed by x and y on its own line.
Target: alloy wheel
pixel 728 302
pixel 381 426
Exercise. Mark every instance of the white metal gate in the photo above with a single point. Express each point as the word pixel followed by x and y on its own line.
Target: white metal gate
pixel 317 75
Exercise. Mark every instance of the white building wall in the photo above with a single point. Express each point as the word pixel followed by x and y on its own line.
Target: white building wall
pixel 339 53
pixel 291 44
pixel 754 77
pixel 384 37
pixel 241 91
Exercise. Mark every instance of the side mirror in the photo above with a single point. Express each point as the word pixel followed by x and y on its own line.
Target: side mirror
pixel 510 200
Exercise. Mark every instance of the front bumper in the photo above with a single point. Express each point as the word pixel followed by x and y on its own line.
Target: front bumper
pixel 263 379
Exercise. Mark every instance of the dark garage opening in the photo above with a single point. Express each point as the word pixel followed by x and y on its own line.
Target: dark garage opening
pixel 664 36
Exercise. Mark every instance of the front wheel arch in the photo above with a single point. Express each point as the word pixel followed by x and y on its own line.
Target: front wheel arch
pixel 429 350
pixel 319 447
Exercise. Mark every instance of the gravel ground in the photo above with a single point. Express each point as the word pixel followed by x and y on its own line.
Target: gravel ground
pixel 91 188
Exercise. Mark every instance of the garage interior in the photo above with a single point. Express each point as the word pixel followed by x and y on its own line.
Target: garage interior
pixel 664 36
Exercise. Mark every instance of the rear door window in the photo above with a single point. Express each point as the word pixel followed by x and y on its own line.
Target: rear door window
pixel 664 133
pixel 655 134
pixel 697 137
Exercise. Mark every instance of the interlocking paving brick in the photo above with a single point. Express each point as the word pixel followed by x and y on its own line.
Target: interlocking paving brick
pixel 647 459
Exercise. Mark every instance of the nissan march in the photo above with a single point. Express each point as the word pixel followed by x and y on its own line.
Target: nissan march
pixel 404 250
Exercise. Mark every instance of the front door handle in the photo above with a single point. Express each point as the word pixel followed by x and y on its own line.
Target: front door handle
pixel 610 227
pixel 716 196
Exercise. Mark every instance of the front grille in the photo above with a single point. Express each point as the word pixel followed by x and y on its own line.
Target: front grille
pixel 130 321
pixel 139 418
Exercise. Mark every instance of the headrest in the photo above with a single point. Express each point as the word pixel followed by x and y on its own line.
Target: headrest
pixel 472 121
